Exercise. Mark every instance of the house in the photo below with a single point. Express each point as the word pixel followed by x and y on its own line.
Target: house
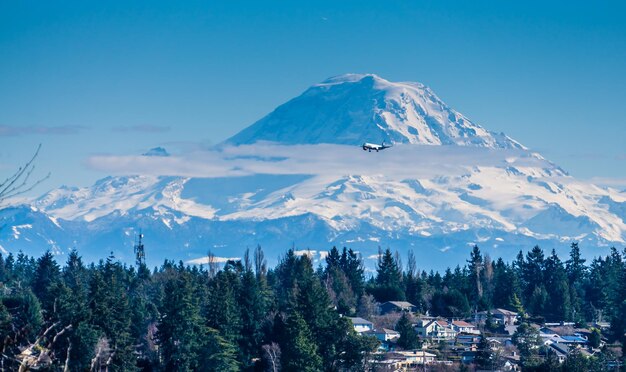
pixel 560 350
pixel 499 342
pixel 397 306
pixel 463 327
pixel 413 358
pixel 361 325
pixel 468 342
pixel 499 316
pixel 574 340
pixel 383 334
pixel 437 330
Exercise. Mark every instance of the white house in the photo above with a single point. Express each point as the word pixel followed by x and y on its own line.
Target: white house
pixel 361 325
pixel 384 334
pixel 464 327
pixel 435 329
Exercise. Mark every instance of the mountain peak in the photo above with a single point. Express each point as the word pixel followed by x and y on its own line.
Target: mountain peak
pixel 355 108
pixel 351 78
pixel 156 151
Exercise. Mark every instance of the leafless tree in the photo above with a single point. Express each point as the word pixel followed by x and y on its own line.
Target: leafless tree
pixel 260 264
pixel 20 182
pixel 213 264
pixel 271 353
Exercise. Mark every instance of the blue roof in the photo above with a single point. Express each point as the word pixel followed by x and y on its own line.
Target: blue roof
pixel 574 339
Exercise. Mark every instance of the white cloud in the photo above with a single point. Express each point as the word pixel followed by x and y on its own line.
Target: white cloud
pixel 400 162
pixel 9 130
pixel 205 260
pixel 305 252
pixel 608 182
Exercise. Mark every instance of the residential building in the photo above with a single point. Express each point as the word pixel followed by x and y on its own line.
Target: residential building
pixel 397 306
pixel 499 316
pixel 361 325
pixel 383 334
pixel 464 327
pixel 435 329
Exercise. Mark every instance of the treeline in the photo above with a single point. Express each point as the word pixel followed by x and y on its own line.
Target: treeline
pixel 243 316
pixel 177 318
pixel 545 288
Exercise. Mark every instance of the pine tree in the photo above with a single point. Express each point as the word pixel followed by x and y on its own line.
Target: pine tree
pixel 82 346
pixel 47 273
pixel 111 312
pixel 484 356
pixel 527 340
pixel 352 265
pixel 218 355
pixel 222 312
pixel 575 266
pixel 558 290
pixel 299 352
pixel 253 309
pixel 181 329
pixel 475 266
pixel 408 337
pixel 388 283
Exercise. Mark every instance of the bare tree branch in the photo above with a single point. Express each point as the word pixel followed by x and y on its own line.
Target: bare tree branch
pixel 19 182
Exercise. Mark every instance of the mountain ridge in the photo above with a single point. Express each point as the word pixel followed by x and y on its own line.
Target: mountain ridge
pixel 437 192
pixel 347 108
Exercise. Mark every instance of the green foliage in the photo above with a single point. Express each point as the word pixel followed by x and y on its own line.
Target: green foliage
pixel 595 338
pixel 485 358
pixel 528 341
pixel 408 337
pixel 450 304
pixel 242 316
pixel 181 329
pixel 218 354
pixel 388 283
pixel 299 352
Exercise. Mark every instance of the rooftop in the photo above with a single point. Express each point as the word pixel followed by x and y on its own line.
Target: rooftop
pixel 357 320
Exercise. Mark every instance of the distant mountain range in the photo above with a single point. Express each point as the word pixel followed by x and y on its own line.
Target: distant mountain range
pixel 447 184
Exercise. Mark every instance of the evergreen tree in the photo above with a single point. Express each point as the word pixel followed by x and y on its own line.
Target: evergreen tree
pixel 388 283
pixel 299 352
pixel 575 266
pixel 82 346
pixel 484 357
pixel 527 340
pixel 111 312
pixel 181 329
pixel 223 313
pixel 352 265
pixel 475 266
pixel 408 337
pixel 47 273
pixel 450 304
pixel 219 355
pixel 558 291
pixel 253 309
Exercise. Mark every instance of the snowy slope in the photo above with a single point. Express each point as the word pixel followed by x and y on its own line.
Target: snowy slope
pixel 448 184
pixel 350 108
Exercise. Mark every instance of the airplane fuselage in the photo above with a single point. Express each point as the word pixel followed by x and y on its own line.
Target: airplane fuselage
pixel 373 146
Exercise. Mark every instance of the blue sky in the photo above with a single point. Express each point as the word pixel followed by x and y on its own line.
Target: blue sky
pixel 90 78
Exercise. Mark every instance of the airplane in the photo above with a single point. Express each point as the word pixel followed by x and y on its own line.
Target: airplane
pixel 372 146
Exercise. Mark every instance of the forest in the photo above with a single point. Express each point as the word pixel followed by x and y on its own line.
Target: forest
pixel 243 315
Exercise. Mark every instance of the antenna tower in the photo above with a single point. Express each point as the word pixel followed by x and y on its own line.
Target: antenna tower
pixel 140 253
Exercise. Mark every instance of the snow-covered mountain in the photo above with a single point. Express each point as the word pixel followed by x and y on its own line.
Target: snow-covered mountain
pixel 350 108
pixel 447 184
